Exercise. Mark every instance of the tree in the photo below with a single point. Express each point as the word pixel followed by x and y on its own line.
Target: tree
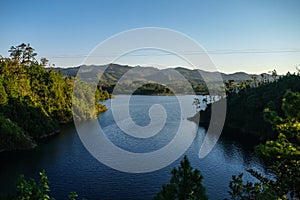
pixel 274 74
pixel 253 101
pixel 229 86
pixel 22 54
pixel 28 55
pixel 282 156
pixel 44 61
pixel 254 78
pixel 29 189
pixel 86 104
pixel 284 152
pixel 34 101
pixel 15 52
pixel 261 190
pixel 3 95
pixel 12 137
pixel 240 191
pixel 298 70
pixel 185 184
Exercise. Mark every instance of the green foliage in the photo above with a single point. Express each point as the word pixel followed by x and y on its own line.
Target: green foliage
pixel 291 105
pixel 248 191
pixel 73 196
pixel 32 119
pixel 33 100
pixel 185 184
pixel 12 137
pixel 230 86
pixel 86 104
pixel 281 154
pixel 246 108
pixel 242 191
pixel 153 89
pixel 284 152
pixel 3 95
pixel 22 54
pixel 29 189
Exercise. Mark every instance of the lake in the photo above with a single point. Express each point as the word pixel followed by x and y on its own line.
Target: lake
pixel 70 167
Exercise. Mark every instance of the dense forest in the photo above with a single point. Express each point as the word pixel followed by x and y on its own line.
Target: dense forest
pixel 247 102
pixel 281 154
pixel 35 101
pixel 269 111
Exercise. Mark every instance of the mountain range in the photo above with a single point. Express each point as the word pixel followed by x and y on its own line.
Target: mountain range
pixel 113 72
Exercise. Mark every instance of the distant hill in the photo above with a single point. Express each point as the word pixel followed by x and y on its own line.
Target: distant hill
pixel 132 77
pixel 114 72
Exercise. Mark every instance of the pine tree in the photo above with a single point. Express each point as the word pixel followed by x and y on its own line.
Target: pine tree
pixel 185 184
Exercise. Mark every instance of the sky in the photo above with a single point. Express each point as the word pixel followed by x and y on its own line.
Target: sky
pixel 252 36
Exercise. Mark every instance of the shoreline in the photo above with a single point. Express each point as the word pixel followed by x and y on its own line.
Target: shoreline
pixel 34 144
pixel 49 134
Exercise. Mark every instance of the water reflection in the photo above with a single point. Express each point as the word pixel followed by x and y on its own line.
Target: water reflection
pixel 71 168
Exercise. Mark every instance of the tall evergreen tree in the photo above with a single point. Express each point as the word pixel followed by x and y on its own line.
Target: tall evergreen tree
pixel 281 154
pixel 185 184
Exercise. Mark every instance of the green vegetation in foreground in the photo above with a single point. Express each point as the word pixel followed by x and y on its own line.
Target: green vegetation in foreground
pixel 34 101
pixel 282 156
pixel 271 112
pixel 185 184
pixel 29 189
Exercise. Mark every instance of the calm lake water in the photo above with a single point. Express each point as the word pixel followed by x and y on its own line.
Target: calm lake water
pixel 70 167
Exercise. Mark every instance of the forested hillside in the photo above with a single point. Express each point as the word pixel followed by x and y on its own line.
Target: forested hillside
pixel 34 101
pixel 135 76
pixel 281 154
pixel 247 103
pixel 246 108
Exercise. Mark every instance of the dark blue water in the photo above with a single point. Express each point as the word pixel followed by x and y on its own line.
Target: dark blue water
pixel 70 167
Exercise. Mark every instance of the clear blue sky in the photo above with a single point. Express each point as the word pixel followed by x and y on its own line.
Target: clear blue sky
pixel 64 31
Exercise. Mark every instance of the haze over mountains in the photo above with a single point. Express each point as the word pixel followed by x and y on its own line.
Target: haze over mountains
pixel 123 79
pixel 114 72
